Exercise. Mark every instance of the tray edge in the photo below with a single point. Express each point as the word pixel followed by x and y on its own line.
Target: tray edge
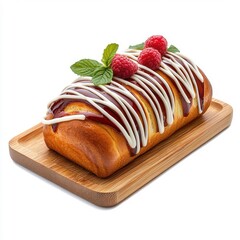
pixel 104 199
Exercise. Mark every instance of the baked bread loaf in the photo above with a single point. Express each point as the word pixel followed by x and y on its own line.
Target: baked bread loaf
pixel 102 128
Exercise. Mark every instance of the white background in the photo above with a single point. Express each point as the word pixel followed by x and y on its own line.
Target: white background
pixel 196 199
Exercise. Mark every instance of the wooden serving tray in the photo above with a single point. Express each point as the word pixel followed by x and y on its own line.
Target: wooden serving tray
pixel 29 150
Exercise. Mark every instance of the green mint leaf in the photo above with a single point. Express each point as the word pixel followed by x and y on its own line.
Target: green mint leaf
pixel 102 76
pixel 137 46
pixel 109 53
pixel 85 67
pixel 172 49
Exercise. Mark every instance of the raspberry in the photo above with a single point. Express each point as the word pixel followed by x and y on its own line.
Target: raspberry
pixel 150 57
pixel 123 67
pixel 158 42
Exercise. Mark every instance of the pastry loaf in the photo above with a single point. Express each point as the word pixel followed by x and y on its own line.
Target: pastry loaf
pixel 103 128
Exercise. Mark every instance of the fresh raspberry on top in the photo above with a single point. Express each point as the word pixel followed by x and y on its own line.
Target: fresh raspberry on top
pixel 158 42
pixel 150 57
pixel 123 67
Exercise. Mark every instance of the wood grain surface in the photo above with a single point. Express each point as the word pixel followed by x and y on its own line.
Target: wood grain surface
pixel 29 150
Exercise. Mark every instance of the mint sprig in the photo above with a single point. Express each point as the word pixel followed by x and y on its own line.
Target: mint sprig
pixel 85 67
pixel 139 46
pixel 109 53
pixel 172 49
pixel 101 73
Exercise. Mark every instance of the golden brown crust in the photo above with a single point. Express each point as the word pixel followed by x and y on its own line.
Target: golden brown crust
pixel 100 148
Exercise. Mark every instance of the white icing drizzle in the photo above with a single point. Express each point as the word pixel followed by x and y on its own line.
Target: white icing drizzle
pixel 154 88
